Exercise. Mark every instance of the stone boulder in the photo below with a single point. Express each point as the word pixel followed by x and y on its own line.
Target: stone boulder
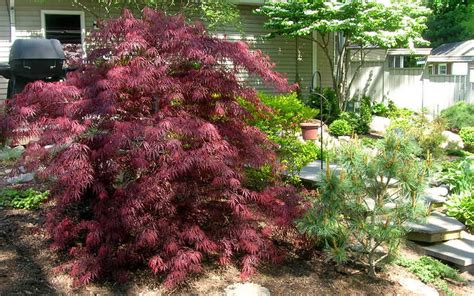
pixel 379 125
pixel 452 141
pixel 246 289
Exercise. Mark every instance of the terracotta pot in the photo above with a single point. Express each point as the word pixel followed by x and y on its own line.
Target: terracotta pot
pixel 310 130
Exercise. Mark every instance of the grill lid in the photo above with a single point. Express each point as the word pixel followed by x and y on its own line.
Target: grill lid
pixel 38 49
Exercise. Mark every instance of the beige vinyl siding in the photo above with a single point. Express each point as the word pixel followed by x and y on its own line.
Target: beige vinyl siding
pixel 289 58
pixel 323 63
pixel 28 16
pixel 4 43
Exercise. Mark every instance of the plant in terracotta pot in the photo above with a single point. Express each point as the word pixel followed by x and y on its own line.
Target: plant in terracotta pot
pixel 309 129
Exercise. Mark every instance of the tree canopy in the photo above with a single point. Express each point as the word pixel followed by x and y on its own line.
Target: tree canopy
pixel 451 21
pixel 361 24
pixel 212 12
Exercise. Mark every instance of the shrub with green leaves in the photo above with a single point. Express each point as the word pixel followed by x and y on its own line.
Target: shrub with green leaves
pixel 467 135
pixel 461 207
pixel 282 126
pixel 331 109
pixel 379 109
pixel 427 132
pixel 340 127
pixel 431 271
pixel 459 115
pixel 7 153
pixel 366 205
pixel 458 175
pixel 28 199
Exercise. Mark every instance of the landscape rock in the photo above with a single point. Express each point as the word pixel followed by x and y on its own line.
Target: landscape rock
pixel 22 178
pixel 379 125
pixel 452 141
pixel 417 287
pixel 344 139
pixel 246 289
pixel 437 191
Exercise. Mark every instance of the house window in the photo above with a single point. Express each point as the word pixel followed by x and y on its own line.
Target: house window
pixel 430 70
pixel 66 26
pixel 406 61
pixel 442 69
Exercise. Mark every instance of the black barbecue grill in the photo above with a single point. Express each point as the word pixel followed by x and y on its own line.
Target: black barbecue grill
pixel 31 60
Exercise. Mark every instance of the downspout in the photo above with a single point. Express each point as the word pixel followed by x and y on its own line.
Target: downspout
pixel 11 13
pixel 315 56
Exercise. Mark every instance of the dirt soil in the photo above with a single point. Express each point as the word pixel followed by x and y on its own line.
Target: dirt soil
pixel 27 268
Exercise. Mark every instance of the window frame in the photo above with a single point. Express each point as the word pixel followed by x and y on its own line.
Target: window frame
pixel 65 12
pixel 445 65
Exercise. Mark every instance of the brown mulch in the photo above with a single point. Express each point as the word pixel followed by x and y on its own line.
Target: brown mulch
pixel 27 263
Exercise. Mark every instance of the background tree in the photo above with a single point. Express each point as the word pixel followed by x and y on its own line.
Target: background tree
pixel 214 13
pixel 360 24
pixel 151 145
pixel 451 21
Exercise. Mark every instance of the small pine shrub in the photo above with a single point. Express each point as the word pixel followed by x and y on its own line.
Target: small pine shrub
pixel 340 127
pixel 459 115
pixel 354 213
pixel 467 135
pixel 150 152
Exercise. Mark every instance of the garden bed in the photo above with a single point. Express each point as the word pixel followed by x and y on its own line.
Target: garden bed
pixel 27 268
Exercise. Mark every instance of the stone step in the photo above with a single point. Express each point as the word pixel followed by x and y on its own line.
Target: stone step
pixel 459 252
pixel 312 172
pixel 435 195
pixel 437 228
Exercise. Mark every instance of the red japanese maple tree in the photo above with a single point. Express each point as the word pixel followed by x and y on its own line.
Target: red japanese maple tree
pixel 145 148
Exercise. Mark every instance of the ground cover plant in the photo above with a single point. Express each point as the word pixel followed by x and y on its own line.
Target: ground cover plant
pixel 461 207
pixel 28 199
pixel 364 206
pixel 281 123
pixel 467 135
pixel 431 271
pixel 150 147
pixel 459 115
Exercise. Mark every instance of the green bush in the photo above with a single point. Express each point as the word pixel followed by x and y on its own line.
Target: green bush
pixel 7 153
pixel 331 109
pixel 459 115
pixel 428 133
pixel 340 127
pixel 380 109
pixel 458 175
pixel 431 271
pixel 282 126
pixel 461 207
pixel 353 214
pixel 467 135
pixel 29 199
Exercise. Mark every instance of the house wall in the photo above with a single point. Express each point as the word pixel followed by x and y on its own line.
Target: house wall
pixel 4 42
pixel 289 59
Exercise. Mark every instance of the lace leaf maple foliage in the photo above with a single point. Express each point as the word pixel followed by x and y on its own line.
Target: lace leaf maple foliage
pixel 145 147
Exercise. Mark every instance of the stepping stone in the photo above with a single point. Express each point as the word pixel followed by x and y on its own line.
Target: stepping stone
pixel 246 289
pixel 438 228
pixel 417 287
pixel 313 173
pixel 459 251
pixel 436 191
